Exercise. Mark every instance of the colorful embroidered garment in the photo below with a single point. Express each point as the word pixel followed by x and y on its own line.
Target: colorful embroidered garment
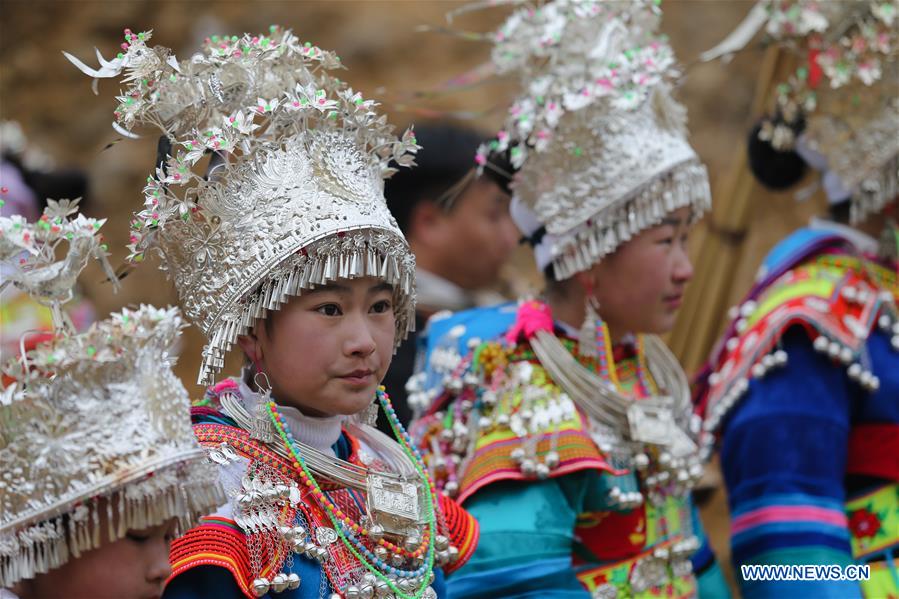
pixel 559 516
pixel 803 398
pixel 230 551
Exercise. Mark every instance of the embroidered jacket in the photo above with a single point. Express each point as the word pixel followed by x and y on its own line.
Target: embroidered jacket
pixel 231 549
pixel 803 400
pixel 557 515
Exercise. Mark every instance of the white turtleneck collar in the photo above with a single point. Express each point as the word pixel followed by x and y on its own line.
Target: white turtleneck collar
pixel 320 433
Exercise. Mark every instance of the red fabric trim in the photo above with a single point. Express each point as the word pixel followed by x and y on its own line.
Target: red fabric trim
pixel 463 530
pixel 209 545
pixel 355 446
pixel 874 451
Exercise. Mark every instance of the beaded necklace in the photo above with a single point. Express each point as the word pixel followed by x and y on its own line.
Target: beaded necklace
pixel 607 369
pixel 349 531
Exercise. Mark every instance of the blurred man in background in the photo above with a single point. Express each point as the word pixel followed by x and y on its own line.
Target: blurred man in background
pixel 460 231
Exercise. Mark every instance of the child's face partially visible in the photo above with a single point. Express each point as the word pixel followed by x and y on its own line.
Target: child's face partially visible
pixel 134 567
pixel 326 351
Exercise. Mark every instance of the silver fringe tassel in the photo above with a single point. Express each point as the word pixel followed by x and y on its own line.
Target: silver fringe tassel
pixel 49 544
pixel 354 255
pixel 687 184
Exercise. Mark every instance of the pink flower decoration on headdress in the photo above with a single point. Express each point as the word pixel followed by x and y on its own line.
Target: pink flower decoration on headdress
pixel 533 316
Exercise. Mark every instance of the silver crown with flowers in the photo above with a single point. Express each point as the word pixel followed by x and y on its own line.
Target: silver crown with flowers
pixel 846 87
pixel 294 195
pixel 599 142
pixel 93 426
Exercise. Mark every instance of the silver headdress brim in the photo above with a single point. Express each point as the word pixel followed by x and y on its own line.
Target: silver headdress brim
pixel 182 486
pixel 684 185
pixel 348 254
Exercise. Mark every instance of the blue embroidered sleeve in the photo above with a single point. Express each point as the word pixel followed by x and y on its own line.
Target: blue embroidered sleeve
pixel 783 456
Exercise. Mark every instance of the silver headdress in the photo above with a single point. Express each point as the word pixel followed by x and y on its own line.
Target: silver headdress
pixel 29 250
pixel 94 428
pixel 294 193
pixel 845 91
pixel 600 143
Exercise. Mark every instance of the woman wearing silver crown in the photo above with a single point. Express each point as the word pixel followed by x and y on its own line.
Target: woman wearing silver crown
pixel 288 249
pixel 801 395
pixel 571 443
pixel 100 468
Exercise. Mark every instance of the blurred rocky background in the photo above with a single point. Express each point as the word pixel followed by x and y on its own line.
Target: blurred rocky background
pixel 387 58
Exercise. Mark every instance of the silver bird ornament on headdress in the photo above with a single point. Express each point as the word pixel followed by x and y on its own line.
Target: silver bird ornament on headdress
pixel 29 251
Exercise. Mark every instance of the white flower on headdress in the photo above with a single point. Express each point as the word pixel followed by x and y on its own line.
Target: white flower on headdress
pixel 355 100
pixel 241 121
pixel 869 72
pixel 553 112
pixel 480 157
pixel 176 171
pixel 15 235
pixel 518 155
pixel 502 141
pixel 627 100
pixel 308 96
pixel 540 139
pixel 794 19
pixel 61 208
pixel 322 103
pixel 586 9
pixel 409 142
pixel 296 100
pixel 401 151
pixel 575 101
pixel 264 106
pixel 839 74
pixel 523 115
pixel 195 150
pixel 539 86
pixel 811 19
pixel 885 12
pixel 555 24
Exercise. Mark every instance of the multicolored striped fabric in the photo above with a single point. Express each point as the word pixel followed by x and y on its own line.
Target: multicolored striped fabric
pixel 807 451
pixel 215 541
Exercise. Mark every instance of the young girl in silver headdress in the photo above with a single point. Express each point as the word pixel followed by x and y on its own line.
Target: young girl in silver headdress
pixel 563 423
pixel 100 466
pixel 801 395
pixel 288 249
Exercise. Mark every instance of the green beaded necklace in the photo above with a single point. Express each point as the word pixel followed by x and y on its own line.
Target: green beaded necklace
pixel 411 452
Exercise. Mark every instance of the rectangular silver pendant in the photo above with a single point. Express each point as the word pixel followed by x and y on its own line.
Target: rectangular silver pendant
pixel 394 504
pixel 651 421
